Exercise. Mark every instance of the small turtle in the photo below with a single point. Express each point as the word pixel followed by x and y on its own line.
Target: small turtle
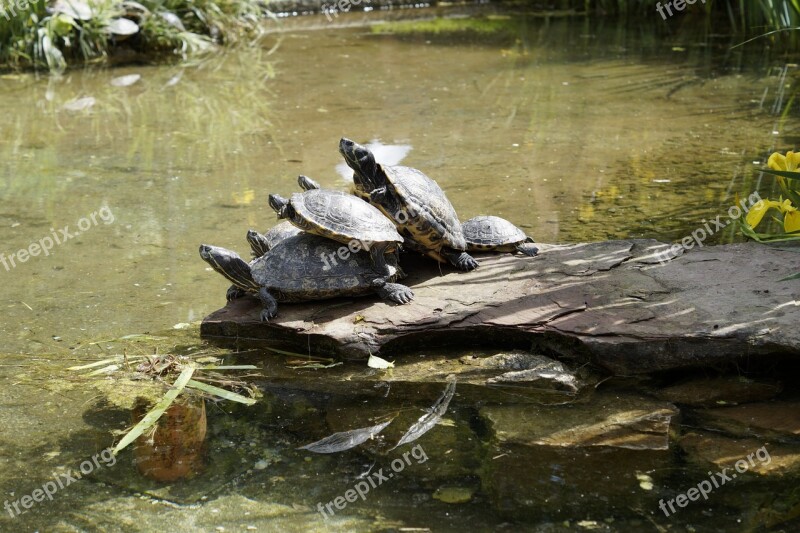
pixel 416 204
pixel 495 234
pixel 343 218
pixel 293 272
pixel 261 243
pixel 306 183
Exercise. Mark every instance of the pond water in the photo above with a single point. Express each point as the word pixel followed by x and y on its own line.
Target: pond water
pixel 573 130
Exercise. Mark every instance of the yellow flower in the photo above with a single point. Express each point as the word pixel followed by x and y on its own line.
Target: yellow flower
pixel 791 216
pixel 760 208
pixel 790 162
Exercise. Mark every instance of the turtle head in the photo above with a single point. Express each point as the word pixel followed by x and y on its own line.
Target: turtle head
pixel 361 160
pixel 279 204
pixel 307 183
pixel 258 243
pixel 230 265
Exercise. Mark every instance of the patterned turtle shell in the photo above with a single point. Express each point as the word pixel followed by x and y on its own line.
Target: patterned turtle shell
pixel 341 217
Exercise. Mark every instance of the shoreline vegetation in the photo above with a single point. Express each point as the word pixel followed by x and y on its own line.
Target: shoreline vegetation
pixel 56 34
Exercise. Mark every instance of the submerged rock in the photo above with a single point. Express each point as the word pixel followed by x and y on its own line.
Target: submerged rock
pixel 768 419
pixel 752 455
pixel 710 392
pixel 612 303
pixel 617 421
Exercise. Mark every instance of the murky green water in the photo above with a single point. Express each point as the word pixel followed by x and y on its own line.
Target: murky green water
pixel 572 130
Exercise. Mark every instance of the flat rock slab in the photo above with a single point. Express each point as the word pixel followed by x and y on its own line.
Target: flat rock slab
pixel 618 304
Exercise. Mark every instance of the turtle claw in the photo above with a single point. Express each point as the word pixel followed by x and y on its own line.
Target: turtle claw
pixel 234 292
pixel 528 249
pixel 465 262
pixel 395 292
pixel 270 309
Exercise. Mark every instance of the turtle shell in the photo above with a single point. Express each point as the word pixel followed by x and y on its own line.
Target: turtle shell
pixel 282 231
pixel 430 218
pixel 342 217
pixel 491 233
pixel 308 267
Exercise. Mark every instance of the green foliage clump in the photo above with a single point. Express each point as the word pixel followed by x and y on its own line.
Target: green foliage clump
pixel 33 35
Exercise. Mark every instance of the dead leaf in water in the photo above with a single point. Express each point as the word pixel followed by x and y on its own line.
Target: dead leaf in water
pixel 344 440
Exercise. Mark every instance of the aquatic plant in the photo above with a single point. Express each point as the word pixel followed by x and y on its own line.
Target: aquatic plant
pixel 169 376
pixel 90 31
pixel 788 217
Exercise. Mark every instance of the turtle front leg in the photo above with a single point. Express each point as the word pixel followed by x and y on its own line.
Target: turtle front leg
pixel 378 253
pixel 234 292
pixel 394 292
pixel 528 249
pixel 270 309
pixel 460 260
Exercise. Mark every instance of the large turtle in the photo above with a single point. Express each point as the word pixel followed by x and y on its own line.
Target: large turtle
pixel 495 234
pixel 343 218
pixel 293 271
pixel 416 204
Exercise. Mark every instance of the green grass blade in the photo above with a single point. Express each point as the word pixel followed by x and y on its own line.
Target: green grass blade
pixel 222 393
pixel 155 413
pixel 782 173
pixel 97 363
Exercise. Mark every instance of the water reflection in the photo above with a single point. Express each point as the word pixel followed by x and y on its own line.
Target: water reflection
pixel 174 448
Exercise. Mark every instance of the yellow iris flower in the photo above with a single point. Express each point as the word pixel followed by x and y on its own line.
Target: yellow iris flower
pixel 791 216
pixel 789 162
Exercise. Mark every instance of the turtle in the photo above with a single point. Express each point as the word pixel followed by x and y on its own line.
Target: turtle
pixel 295 270
pixel 415 202
pixel 343 218
pixel 260 243
pixel 306 183
pixel 495 234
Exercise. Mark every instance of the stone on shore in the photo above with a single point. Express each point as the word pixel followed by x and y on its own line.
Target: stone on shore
pixel 630 306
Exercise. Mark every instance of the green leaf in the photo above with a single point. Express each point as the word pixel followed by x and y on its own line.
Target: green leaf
pixel 782 173
pixel 222 393
pixel 793 276
pixel 155 413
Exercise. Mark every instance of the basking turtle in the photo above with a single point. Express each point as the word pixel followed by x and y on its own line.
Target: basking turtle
pixel 261 243
pixel 416 204
pixel 495 234
pixel 306 183
pixel 343 218
pixel 293 271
